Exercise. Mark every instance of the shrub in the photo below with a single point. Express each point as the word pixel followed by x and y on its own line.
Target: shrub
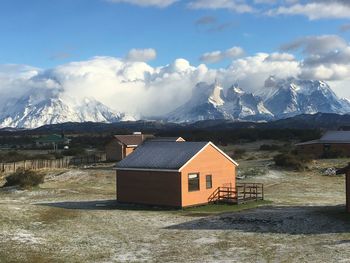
pixel 238 153
pixel 269 147
pixel 13 156
pixel 292 161
pixel 24 178
pixel 74 152
pixel 333 155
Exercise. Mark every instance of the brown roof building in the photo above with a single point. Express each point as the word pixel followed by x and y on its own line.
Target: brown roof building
pixel 121 146
pixel 331 143
pixel 170 173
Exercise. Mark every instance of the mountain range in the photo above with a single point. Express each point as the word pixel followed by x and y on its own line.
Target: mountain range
pixel 38 108
pixel 278 99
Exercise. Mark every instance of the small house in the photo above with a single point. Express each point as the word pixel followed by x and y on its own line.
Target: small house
pixel 121 146
pixel 346 171
pixel 170 173
pixel 331 143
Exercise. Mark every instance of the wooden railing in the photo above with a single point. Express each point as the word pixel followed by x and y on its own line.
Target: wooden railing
pixel 244 192
pixel 249 192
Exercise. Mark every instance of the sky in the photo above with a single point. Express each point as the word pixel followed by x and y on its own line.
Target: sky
pixel 122 51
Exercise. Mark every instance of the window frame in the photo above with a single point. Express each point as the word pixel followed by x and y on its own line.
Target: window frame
pixel 189 184
pixel 211 181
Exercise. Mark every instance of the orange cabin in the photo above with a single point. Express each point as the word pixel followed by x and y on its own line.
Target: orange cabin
pixel 174 173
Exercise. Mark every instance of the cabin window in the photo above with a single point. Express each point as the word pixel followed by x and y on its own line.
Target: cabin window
pixel 208 181
pixel 193 182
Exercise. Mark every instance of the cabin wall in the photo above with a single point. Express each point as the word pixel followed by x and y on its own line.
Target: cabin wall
pixel 149 187
pixel 347 183
pixel 208 162
pixel 114 151
pixel 319 149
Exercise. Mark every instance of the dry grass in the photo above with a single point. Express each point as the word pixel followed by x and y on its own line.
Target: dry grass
pixel 66 221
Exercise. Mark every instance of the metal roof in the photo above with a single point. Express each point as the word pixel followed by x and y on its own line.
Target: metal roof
pixel 164 155
pixel 161 155
pixel 331 137
pixel 338 136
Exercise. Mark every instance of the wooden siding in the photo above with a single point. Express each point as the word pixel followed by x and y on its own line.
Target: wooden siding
pixel 317 149
pixel 347 185
pixel 114 151
pixel 207 162
pixel 152 188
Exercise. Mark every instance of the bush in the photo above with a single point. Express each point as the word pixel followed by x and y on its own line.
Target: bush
pixel 333 155
pixel 269 147
pixel 292 161
pixel 238 153
pixel 74 152
pixel 24 178
pixel 13 156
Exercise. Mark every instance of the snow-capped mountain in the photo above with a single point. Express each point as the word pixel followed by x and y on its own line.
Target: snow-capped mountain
pixel 279 98
pixel 290 97
pixel 40 107
pixel 211 102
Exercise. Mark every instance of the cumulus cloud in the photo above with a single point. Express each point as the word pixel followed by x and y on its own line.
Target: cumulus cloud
pixel 156 3
pixel 252 71
pixel 327 57
pixel 143 55
pixel 217 56
pixel 315 9
pixel 137 88
pixel 238 6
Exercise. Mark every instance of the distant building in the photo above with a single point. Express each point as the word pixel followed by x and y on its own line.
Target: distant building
pixel 121 146
pixel 55 141
pixel 332 142
pixel 170 173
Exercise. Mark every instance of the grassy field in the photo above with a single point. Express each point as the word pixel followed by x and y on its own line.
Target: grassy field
pixel 73 217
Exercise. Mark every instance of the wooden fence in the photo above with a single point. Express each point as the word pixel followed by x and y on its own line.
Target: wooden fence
pixel 65 162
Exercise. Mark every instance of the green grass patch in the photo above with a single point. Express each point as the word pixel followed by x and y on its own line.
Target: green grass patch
pixel 223 208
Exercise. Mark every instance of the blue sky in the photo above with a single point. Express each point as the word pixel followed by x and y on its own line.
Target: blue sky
pixel 134 54
pixel 46 33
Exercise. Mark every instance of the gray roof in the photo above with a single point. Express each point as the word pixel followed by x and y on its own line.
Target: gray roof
pixel 331 137
pixel 164 155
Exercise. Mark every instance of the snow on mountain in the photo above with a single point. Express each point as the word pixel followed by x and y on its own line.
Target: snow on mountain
pixel 41 107
pixel 209 102
pixel 280 98
pixel 290 97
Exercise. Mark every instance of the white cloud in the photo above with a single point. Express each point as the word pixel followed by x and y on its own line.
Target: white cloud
pixel 327 57
pixel 143 55
pixel 315 10
pixel 138 88
pixel 156 3
pixel 238 6
pixel 251 72
pixel 280 57
pixel 217 56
